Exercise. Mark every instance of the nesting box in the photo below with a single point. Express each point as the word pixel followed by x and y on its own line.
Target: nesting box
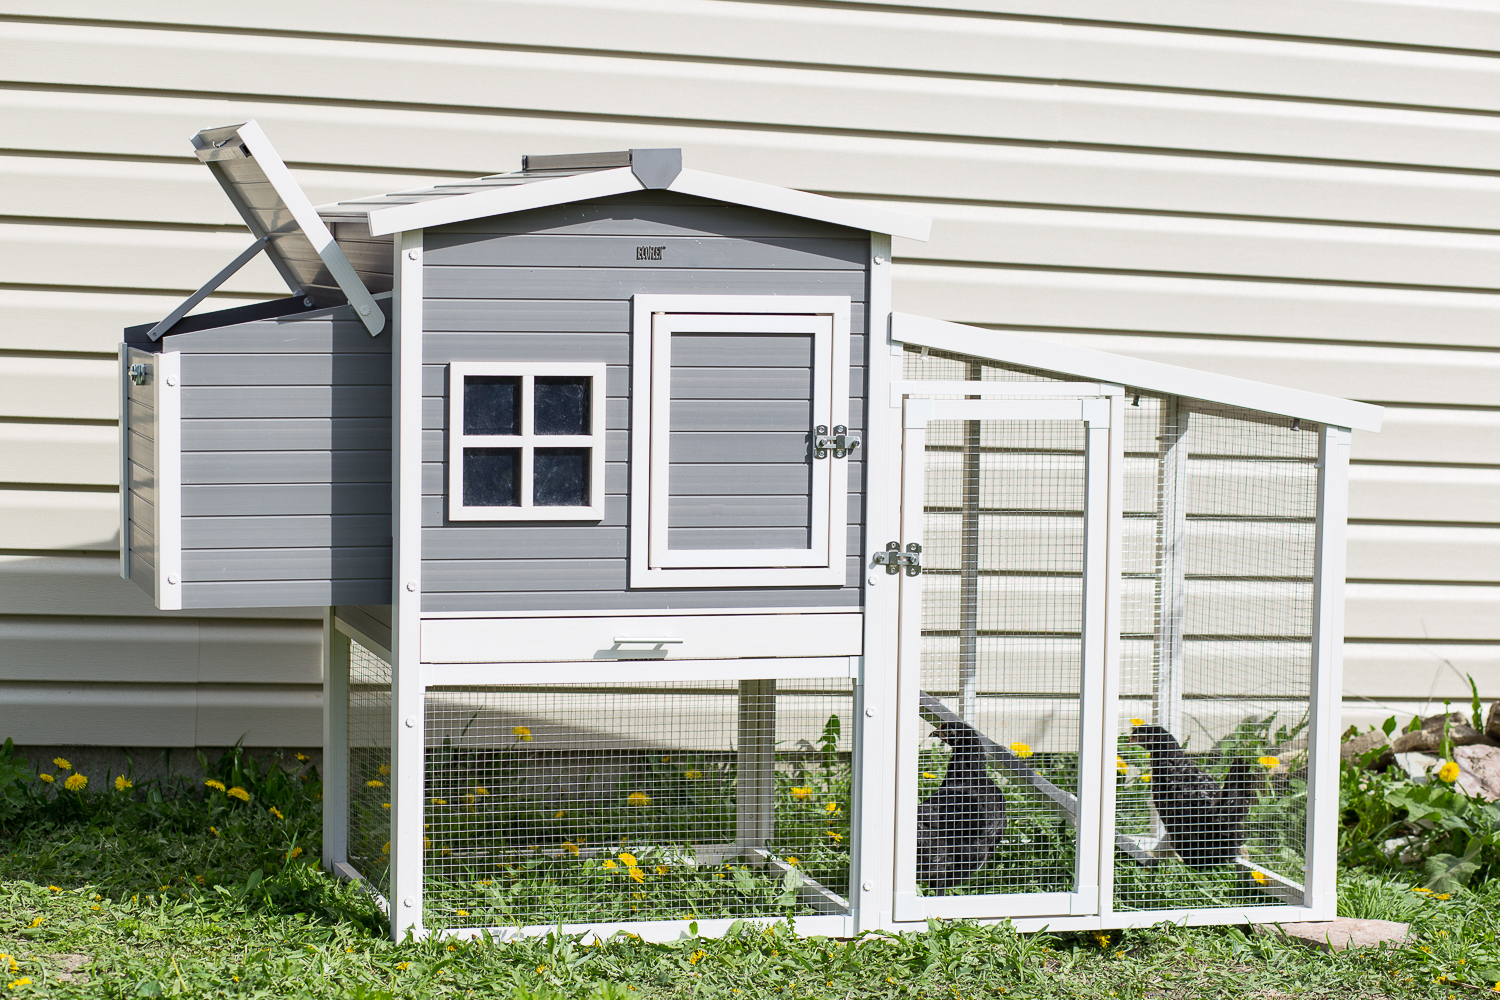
pixel 655 544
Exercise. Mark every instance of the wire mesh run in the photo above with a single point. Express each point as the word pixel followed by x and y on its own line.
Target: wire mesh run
pixel 1220 509
pixel 636 801
pixel 1002 620
pixel 369 766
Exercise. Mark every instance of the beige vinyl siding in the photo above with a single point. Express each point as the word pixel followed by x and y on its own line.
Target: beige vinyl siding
pixel 1298 191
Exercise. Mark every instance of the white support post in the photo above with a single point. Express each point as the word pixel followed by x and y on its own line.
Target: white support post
pixel 968 571
pixel 755 775
pixel 1327 673
pixel 1110 709
pixel 335 744
pixel 1171 554
pixel 122 376
pixel 873 803
pixel 408 722
pixel 1097 567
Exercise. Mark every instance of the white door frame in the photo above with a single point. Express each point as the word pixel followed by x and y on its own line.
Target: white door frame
pixel 1095 728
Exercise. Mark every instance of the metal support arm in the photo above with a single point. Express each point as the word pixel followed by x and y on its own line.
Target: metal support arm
pixel 209 287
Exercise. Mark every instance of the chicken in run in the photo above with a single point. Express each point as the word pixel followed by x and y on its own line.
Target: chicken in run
pixel 1204 819
pixel 960 823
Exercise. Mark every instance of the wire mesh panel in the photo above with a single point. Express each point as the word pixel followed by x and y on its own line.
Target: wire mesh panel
pixel 369 765
pixel 637 801
pixel 1001 639
pixel 1211 793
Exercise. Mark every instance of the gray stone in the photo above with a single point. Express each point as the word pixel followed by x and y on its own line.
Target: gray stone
pixel 1430 737
pixel 1337 935
pixel 1479 771
pixel 1418 766
pixel 1492 726
pixel 1356 747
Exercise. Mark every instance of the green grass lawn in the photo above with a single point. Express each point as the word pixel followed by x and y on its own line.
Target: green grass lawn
pixel 125 893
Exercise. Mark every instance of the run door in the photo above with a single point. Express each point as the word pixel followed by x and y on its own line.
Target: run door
pixel 1005 511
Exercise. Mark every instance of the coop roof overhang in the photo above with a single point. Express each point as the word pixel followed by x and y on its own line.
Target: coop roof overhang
pixel 1149 376
pixel 558 180
pixel 282 220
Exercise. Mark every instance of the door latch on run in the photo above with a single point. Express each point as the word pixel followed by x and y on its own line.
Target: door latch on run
pixel 840 442
pixel 893 558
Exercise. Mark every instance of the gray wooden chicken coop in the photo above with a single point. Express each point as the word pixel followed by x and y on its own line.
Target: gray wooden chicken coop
pixel 653 542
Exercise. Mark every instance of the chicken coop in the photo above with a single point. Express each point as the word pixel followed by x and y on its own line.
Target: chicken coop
pixel 673 579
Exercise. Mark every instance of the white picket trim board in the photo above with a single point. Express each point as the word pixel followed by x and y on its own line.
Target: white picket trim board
pixel 1153 376
pixel 439 675
pixel 620 180
pixel 658 931
pixel 167 376
pixel 1273 914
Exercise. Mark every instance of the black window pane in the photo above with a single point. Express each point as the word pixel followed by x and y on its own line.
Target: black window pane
pixel 490 477
pixel 492 404
pixel 562 404
pixel 560 477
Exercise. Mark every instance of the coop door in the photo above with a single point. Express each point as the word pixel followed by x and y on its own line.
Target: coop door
pixel 1002 569
pixel 740 448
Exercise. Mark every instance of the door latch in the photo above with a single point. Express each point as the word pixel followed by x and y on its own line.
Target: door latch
pixel 841 443
pixel 140 374
pixel 893 558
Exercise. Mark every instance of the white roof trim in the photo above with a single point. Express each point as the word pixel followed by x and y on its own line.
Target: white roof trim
pixel 753 194
pixel 1153 376
pixel 503 200
pixel 619 180
pixel 311 224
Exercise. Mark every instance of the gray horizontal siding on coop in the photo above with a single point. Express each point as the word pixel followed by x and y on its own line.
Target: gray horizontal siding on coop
pixel 555 285
pixel 286 462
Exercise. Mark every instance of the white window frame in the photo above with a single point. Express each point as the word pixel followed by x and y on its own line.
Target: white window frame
pixel 526 442
pixel 656 318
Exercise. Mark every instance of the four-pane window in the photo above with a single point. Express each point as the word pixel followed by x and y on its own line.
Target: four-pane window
pixel 525 441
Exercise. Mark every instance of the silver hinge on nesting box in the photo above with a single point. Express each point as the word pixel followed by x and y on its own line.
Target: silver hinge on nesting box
pixel 841 443
pixel 140 374
pixel 893 558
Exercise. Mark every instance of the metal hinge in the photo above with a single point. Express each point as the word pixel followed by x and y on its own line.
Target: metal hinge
pixel 840 443
pixel 140 374
pixel 893 558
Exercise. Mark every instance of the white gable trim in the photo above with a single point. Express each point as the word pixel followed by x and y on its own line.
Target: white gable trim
pixel 619 180
pixel 753 194
pixel 502 201
pixel 1153 376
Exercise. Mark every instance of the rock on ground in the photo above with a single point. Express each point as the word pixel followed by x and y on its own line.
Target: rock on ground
pixel 1362 744
pixel 1418 766
pixel 1430 737
pixel 1492 727
pixel 1337 935
pixel 1479 771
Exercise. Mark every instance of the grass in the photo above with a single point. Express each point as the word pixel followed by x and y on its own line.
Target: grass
pixel 139 893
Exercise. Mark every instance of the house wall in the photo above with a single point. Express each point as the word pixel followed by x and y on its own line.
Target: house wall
pixel 556 285
pixel 1299 191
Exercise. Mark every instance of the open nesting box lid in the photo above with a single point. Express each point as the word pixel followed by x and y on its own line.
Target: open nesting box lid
pixel 284 223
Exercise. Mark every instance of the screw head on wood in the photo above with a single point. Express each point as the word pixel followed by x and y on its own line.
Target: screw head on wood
pixel 411 255
pixel 868 886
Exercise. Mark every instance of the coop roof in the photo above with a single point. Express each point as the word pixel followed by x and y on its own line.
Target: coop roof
pixel 543 181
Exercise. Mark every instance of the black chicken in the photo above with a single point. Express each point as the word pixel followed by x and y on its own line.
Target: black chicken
pixel 1205 821
pixel 962 820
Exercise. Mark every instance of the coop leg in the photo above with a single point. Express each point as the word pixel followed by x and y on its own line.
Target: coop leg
pixel 756 782
pixel 335 744
pixel 1171 553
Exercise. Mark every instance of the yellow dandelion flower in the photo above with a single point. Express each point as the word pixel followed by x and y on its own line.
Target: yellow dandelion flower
pixel 929 775
pixel 402 966
pixel 9 960
pixel 1137 722
pixel 386 848
pixel 1259 877
pixel 62 764
pixel 1442 895
pixel 217 786
pixel 697 956
pixel 238 793
pixel 838 838
pixel 23 981
pixel 295 853
pixel 628 858
pixel 637 874
pixel 570 847
pixel 214 830
pixel 385 805
pixel 1146 778
pixel 802 793
pixel 609 863
pixel 47 778
pixel 384 770
pixel 1420 889
pixel 461 913
pixel 1120 765
pixel 559 814
pixel 692 775
pixel 1268 762
pixel 638 799
pixel 1103 938
pixel 304 758
pixel 486 881
pixel 375 783
pixel 36 922
pixel 891 980
pixel 76 783
pixel 1020 750
pixel 123 783
pixel 794 862
pixel 277 813
pixel 661 869
pixel 1448 773
pixel 56 888
pixel 521 733
pixel 481 790
pixel 831 808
